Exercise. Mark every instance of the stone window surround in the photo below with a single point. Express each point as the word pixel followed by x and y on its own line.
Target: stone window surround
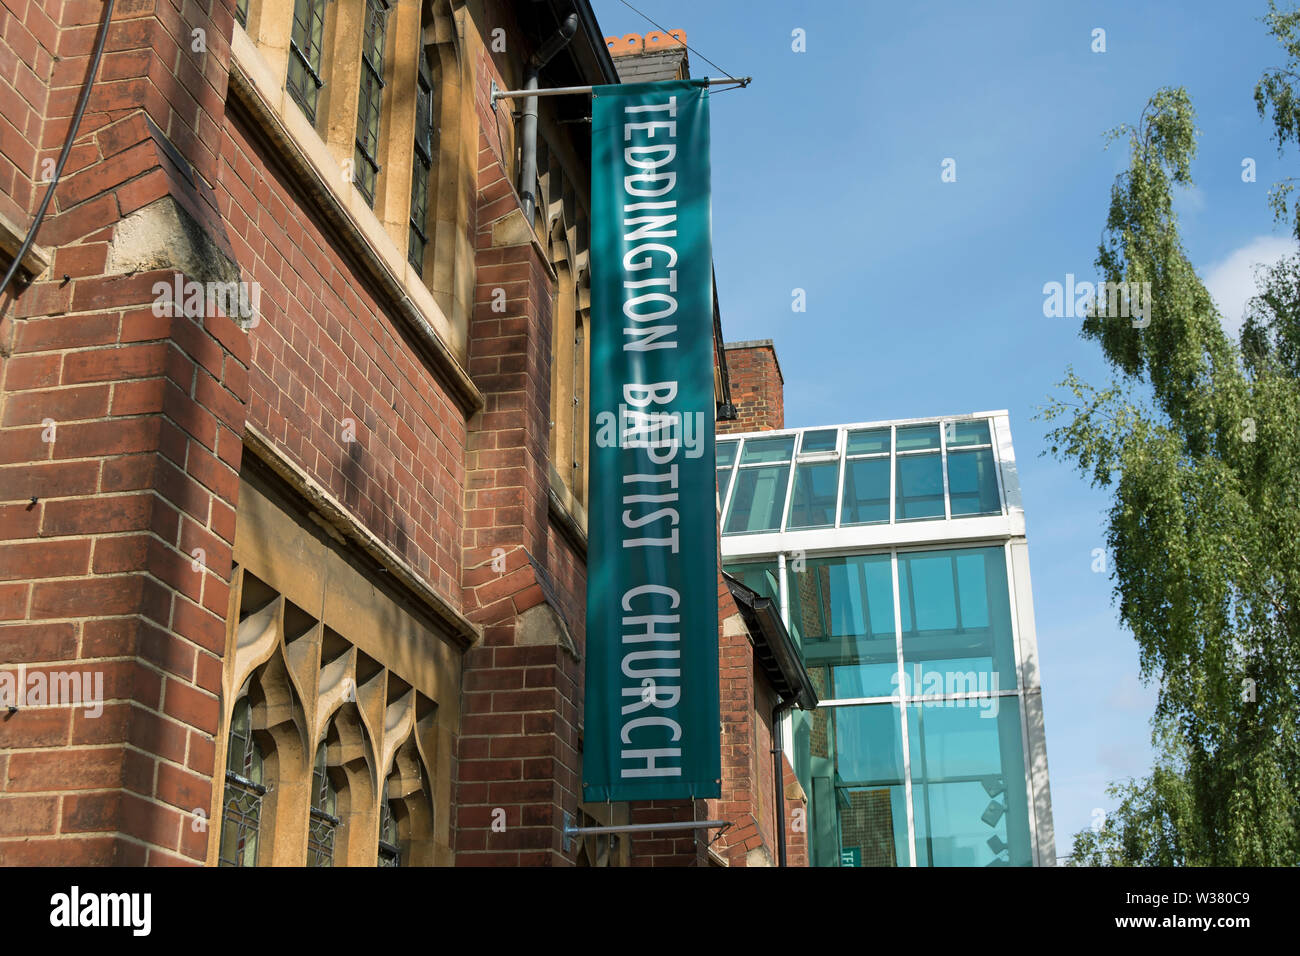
pixel 259 62
pixel 331 657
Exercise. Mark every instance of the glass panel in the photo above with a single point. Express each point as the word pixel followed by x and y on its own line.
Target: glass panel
pixel 241 12
pixel 823 440
pixel 759 499
pixel 321 822
pixel 370 99
pixel 813 503
pixel 866 491
pixel 726 453
pixel 390 853
pixel 422 167
pixel 767 449
pixel 724 483
pixel 760 577
pixel 242 801
pixel 917 437
pixel 968 433
pixel 956 621
pixel 920 486
pixel 972 483
pixel 968 784
pixel 303 81
pixel 869 441
pixel 870 800
pixel 842 617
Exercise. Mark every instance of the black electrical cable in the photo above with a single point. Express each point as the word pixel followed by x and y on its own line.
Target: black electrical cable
pixel 665 31
pixel 67 145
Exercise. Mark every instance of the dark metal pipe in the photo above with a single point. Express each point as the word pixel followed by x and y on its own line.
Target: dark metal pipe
pixel 778 751
pixel 528 164
pixel 91 73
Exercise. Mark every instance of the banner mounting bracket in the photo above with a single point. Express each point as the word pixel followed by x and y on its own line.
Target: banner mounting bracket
pixel 500 94
pixel 570 831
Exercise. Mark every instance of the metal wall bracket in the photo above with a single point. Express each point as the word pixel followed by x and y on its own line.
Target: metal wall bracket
pixel 500 94
pixel 570 831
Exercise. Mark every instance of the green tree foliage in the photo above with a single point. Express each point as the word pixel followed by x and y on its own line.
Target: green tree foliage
pixel 1199 440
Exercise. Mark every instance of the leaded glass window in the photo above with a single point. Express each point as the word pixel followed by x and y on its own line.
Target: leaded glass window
pixel 422 167
pixel 324 824
pixel 390 851
pixel 304 82
pixel 242 808
pixel 370 98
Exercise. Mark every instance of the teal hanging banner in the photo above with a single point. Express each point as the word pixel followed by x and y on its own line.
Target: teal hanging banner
pixel 652 723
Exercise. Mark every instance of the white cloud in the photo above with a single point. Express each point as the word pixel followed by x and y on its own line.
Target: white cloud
pixel 1231 282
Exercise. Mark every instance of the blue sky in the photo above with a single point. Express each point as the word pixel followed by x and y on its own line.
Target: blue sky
pixel 925 297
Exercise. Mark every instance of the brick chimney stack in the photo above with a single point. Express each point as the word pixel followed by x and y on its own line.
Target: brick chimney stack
pixel 757 387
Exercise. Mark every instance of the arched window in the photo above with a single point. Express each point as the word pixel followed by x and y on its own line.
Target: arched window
pixel 241 816
pixel 390 847
pixel 324 823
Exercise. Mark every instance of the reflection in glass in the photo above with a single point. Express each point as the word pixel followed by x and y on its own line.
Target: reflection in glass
pixel 870 800
pixel 968 784
pixel 842 613
pixel 767 449
pixel 973 483
pixel 968 433
pixel 956 621
pixel 920 486
pixel 759 576
pixel 758 500
pixel 866 491
pixel 917 437
pixel 812 505
pixel 821 440
pixel 869 441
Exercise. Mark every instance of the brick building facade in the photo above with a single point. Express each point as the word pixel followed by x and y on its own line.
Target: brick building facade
pixel 757 387
pixel 291 443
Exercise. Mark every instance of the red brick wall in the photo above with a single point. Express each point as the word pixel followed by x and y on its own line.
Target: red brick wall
pixel 29 42
pixel 325 353
pixel 518 749
pixel 757 389
pixel 796 818
pixel 103 510
pixel 679 847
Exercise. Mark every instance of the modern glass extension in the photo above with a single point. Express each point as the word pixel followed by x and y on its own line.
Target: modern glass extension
pixel 896 552
pixel 848 475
